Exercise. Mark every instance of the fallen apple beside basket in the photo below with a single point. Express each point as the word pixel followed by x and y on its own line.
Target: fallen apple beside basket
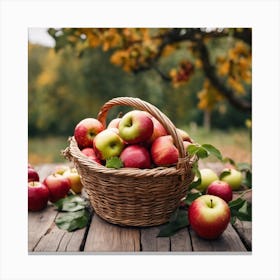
pixel 131 196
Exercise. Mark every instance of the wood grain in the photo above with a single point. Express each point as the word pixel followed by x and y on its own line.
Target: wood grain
pixel 38 225
pixel 244 230
pixel 105 237
pixel 229 241
pixel 181 241
pixel 151 243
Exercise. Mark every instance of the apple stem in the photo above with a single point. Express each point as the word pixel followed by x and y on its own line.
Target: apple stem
pixel 211 203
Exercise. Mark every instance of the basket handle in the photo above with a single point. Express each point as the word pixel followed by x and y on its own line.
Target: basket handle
pixel 155 112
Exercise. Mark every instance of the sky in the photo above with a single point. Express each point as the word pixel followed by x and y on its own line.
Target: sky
pixel 40 36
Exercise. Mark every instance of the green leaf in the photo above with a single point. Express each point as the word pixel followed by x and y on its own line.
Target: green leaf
pixel 177 221
pixel 71 221
pixel 224 173
pixel 244 166
pixel 197 180
pixel 212 151
pixel 192 149
pixel 70 203
pixel 114 162
pixel 202 153
pixel 230 160
pixel 191 197
pixel 240 209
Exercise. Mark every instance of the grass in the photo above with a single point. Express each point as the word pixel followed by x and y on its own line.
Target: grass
pixel 235 143
pixel 46 149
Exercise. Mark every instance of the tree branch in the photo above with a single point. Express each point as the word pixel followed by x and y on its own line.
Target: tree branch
pixel 210 73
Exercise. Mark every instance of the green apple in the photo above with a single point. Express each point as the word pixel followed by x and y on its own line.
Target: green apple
pixel 207 177
pixel 75 180
pixel 108 144
pixel 233 177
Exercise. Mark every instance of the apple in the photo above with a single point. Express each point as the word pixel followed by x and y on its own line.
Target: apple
pixel 207 177
pixel 38 196
pixel 158 131
pixel 75 180
pixel 108 144
pixel 220 189
pixel 86 130
pixel 136 156
pixel 185 136
pixel 114 123
pixel 163 151
pixel 33 175
pixel 90 153
pixel 58 186
pixel 234 178
pixel 60 169
pixel 135 127
pixel 209 216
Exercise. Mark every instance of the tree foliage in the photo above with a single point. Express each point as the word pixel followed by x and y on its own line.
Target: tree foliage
pixel 224 56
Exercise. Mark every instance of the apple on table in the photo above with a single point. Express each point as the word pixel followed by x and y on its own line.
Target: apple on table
pixel 58 186
pixel 209 216
pixel 33 175
pixel 38 196
pixel 207 177
pixel 75 180
pixel 220 189
pixel 233 177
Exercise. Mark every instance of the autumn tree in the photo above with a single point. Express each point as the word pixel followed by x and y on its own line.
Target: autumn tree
pixel 222 54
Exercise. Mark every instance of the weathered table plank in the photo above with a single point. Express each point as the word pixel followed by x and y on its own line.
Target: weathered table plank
pixel 151 243
pixel 227 242
pixel 38 225
pixel 181 241
pixel 244 230
pixel 57 240
pixel 105 237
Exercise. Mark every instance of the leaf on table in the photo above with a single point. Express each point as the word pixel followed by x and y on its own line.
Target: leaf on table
pixel 240 209
pixel 191 197
pixel 70 203
pixel 71 221
pixel 177 221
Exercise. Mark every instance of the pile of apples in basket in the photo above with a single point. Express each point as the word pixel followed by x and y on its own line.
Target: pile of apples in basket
pixel 139 140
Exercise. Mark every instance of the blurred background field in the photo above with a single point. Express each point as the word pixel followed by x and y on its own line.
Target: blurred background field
pixel 200 78
pixel 234 144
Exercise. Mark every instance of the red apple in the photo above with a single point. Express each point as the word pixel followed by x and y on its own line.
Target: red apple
pixel 58 186
pixel 114 123
pixel 33 175
pixel 135 127
pixel 136 156
pixel 163 151
pixel 220 189
pixel 108 144
pixel 158 131
pixel 86 130
pixel 38 196
pixel 89 152
pixel 209 216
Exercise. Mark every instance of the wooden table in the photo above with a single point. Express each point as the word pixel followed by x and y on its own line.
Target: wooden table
pixel 44 236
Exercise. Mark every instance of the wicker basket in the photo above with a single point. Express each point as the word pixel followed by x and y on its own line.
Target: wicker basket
pixel 132 196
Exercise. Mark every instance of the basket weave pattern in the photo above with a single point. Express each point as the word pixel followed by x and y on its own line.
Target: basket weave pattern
pixel 132 196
